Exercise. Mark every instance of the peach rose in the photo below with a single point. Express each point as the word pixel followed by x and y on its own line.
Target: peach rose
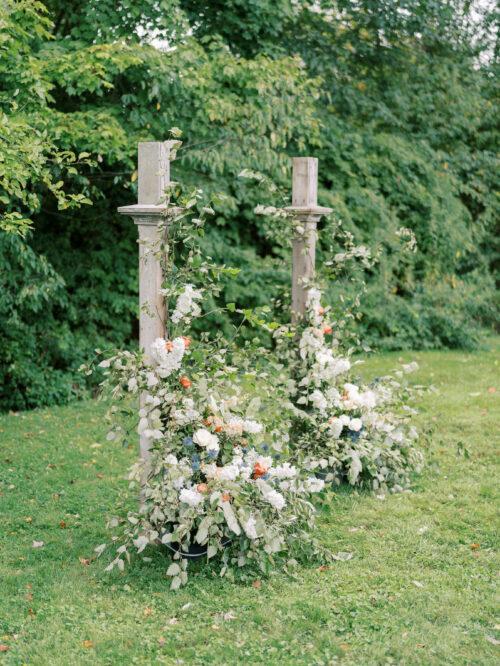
pixel 259 470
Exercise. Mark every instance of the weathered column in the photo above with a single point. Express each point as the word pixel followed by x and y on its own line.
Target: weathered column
pixel 153 177
pixel 306 214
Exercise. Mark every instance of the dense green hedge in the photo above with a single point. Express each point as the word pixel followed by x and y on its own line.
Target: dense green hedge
pixel 396 99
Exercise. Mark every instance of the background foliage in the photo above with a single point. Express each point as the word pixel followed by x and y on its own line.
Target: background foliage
pixel 396 99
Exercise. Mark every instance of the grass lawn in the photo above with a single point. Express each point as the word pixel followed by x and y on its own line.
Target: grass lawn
pixel 419 589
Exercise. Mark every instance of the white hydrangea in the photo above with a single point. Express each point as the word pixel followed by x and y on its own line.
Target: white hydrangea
pixel 249 527
pixel 191 496
pixel 318 400
pixel 275 499
pixel 252 427
pixel 186 305
pixel 335 427
pixel 272 496
pixel 285 471
pixel 314 485
pixel 358 400
pixel 309 343
pixel 228 472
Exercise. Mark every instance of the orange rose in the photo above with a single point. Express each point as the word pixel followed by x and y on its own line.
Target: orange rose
pixel 218 428
pixel 202 488
pixel 259 470
pixel 187 341
pixel 321 310
pixel 168 345
pixel 226 497
pixel 327 329
pixel 185 382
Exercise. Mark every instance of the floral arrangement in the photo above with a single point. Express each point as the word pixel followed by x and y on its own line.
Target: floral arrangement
pixel 212 484
pixel 215 484
pixel 225 478
pixel 341 429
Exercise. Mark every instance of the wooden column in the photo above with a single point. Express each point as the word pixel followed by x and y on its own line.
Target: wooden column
pixel 306 214
pixel 153 177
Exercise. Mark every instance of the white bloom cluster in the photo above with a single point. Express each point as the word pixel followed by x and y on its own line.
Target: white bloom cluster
pixel 206 440
pixel 186 414
pixel 272 496
pixel 191 496
pixel 236 426
pixel 167 356
pixel 249 527
pixel 351 432
pixel 356 399
pixel 186 306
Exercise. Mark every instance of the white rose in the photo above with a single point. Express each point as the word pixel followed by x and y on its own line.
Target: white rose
pixel 356 425
pixel 206 440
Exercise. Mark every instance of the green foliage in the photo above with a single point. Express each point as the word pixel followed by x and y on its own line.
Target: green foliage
pixel 396 99
pixel 39 354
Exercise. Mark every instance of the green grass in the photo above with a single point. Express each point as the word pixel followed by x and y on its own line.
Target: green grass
pixel 417 591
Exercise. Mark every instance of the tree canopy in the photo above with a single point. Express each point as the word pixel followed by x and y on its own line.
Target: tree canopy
pixel 396 99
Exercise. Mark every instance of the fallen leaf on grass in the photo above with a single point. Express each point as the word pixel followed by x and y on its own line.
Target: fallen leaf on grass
pixel 28 519
pixel 323 567
pixel 37 544
pixel 420 645
pixel 491 389
pixel 62 525
pixel 84 560
pixel 186 606
pixel 225 617
pixel 417 583
pixel 475 546
pixel 173 620
pixel 161 641
pixel 257 584
pixel 342 556
pixel 87 644
pixel 147 611
pixel 492 640
pixel 4 648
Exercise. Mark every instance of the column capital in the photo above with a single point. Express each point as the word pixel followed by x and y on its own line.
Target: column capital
pixel 308 213
pixel 148 214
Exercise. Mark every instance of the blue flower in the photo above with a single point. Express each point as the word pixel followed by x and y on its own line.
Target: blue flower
pixel 265 477
pixel 276 456
pixel 195 462
pixel 265 447
pixel 212 454
pixel 354 435
pixel 187 441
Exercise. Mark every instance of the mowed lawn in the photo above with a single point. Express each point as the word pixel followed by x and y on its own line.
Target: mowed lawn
pixel 419 589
